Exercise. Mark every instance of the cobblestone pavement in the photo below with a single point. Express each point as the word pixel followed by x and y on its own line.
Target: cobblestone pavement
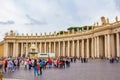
pixel 93 70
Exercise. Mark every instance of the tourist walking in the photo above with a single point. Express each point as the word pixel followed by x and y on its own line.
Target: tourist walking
pixel 35 68
pixel 41 65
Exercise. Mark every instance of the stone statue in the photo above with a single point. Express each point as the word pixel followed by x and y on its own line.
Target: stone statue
pixel 36 34
pixel 11 33
pixel 27 34
pixel 55 33
pixel 94 24
pixel 40 34
pixel 97 24
pixel 31 34
pixel 22 34
pixel 6 34
pixel 17 34
pixel 49 33
pixel 103 20
pixel 45 33
pixel 107 21
pixel 116 18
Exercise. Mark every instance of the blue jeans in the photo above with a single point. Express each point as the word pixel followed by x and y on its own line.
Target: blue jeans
pixel 5 69
pixel 35 70
pixel 40 70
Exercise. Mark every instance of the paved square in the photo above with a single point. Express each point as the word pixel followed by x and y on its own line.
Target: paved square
pixel 94 70
pixel 11 79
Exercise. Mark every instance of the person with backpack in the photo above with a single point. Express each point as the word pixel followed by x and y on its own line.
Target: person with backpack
pixel 41 65
pixel 49 63
pixel 35 68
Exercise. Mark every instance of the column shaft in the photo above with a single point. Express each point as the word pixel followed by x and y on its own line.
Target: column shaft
pixel 95 47
pixel 59 49
pixel 73 48
pixel 16 49
pixel 45 47
pixel 92 48
pixel 22 49
pixel 36 47
pixel 40 46
pixel 118 44
pixel 63 48
pixel 26 49
pixel 55 47
pixel 78 53
pixel 68 54
pixel 98 52
pixel 106 46
pixel 87 48
pixel 6 49
pixel 109 46
pixel 82 48
pixel 49 47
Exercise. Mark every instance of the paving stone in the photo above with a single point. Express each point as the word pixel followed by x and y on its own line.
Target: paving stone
pixel 93 70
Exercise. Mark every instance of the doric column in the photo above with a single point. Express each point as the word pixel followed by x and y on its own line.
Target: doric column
pixel 26 48
pixel 36 46
pixel 118 44
pixel 68 52
pixel 78 53
pixel 15 49
pixel 6 49
pixel 49 47
pixel 40 46
pixel 92 47
pixel 95 46
pixel 59 48
pixel 109 52
pixel 54 47
pixel 73 48
pixel 112 45
pixel 98 52
pixel 45 47
pixel 88 48
pixel 106 46
pixel 63 48
pixel 82 48
pixel 22 48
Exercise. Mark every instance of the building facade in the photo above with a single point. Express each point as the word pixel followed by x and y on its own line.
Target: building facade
pixel 100 41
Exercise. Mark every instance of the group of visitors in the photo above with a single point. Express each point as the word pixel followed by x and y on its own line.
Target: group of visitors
pixel 114 59
pixel 9 64
pixel 40 63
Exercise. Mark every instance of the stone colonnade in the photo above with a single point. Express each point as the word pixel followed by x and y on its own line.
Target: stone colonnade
pixel 93 47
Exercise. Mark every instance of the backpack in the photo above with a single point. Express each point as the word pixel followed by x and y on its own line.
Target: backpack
pixel 41 64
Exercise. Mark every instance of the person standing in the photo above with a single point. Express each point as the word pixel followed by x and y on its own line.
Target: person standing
pixel 35 68
pixel 40 62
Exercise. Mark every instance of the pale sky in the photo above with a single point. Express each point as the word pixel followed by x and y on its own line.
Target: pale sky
pixel 39 16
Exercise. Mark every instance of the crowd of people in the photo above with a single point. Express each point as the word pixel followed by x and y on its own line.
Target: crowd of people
pixel 9 64
pixel 39 64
